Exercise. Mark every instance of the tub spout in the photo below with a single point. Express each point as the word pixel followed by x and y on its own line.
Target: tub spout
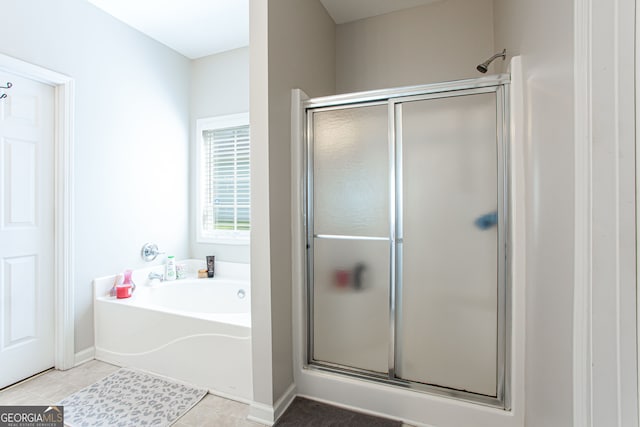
pixel 158 276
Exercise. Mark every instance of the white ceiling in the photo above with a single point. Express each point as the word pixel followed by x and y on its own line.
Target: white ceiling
pixel 195 28
pixel 198 28
pixel 343 11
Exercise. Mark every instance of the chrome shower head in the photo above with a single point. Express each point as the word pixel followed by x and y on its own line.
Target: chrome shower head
pixel 485 65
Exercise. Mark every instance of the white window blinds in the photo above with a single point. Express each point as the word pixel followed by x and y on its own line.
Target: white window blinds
pixel 226 179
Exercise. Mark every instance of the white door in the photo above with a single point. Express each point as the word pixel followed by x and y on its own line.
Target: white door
pixel 26 229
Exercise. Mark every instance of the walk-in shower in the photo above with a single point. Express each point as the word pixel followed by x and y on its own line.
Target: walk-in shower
pixel 407 237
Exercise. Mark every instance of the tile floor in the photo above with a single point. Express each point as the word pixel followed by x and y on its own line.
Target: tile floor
pixel 53 386
pixel 310 413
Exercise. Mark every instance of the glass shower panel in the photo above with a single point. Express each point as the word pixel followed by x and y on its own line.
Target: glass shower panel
pixel 351 171
pixel 449 265
pixel 351 303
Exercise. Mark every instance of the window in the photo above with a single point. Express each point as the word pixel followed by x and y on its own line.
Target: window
pixel 223 179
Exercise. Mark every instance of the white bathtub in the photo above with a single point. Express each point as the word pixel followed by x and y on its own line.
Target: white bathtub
pixel 194 330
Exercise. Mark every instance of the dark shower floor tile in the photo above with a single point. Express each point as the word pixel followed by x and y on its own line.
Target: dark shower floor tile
pixel 309 413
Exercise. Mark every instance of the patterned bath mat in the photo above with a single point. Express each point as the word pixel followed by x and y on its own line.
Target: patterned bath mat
pixel 130 398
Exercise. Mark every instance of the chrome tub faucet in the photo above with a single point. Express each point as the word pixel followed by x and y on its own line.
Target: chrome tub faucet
pixel 158 276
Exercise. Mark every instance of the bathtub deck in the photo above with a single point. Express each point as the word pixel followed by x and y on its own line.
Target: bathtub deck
pixel 53 386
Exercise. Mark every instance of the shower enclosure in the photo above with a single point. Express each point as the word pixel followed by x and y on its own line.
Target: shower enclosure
pixel 407 237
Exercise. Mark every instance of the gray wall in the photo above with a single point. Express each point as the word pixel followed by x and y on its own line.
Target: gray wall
pixel 542 32
pixel 292 46
pixel 131 135
pixel 219 86
pixel 433 43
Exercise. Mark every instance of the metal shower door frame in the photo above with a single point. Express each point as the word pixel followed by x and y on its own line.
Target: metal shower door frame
pixel 394 98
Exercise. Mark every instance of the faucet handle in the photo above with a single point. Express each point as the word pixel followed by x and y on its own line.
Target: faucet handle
pixel 149 252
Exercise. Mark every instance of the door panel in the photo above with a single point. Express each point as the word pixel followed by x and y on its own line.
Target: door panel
pixel 351 172
pixel 20 297
pixel 20 193
pixel 26 229
pixel 450 243
pixel 351 207
pixel 351 300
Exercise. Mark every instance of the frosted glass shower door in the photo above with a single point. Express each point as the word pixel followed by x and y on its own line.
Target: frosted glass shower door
pixel 350 253
pixel 448 242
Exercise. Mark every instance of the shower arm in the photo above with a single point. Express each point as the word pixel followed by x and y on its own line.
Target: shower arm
pixel 502 55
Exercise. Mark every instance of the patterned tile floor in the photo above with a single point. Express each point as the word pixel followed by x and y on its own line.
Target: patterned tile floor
pixel 53 386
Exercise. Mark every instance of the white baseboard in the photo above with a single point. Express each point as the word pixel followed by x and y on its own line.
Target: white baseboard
pixel 84 356
pixel 285 400
pixel 261 413
pixel 268 415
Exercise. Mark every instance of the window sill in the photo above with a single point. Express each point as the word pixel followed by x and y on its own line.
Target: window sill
pixel 223 241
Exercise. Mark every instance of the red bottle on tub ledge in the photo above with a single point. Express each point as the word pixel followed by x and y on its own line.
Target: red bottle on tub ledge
pixel 125 289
